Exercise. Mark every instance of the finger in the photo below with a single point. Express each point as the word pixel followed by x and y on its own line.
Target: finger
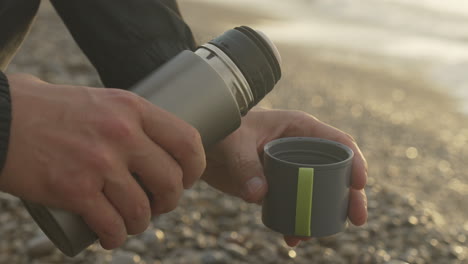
pixel 178 138
pixel 132 203
pixel 359 170
pixel 159 173
pixel 309 126
pixel 246 166
pixel 357 211
pixel 292 241
pixel 105 221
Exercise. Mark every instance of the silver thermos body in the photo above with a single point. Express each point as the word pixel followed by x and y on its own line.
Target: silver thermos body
pixel 210 89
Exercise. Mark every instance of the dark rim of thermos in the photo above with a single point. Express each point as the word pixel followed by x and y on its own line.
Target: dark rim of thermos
pixel 254 58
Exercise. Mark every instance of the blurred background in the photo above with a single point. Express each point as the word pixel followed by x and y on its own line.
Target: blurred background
pixel 394 74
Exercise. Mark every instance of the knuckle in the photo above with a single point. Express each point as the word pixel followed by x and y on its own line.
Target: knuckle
pixel 192 141
pixel 84 186
pixel 172 205
pixel 169 205
pixel 142 210
pixel 299 115
pixel 111 229
pixel 193 136
pixel 99 160
pixel 346 138
pixel 190 151
pixel 73 188
pixel 141 216
pixel 125 98
pixel 111 234
pixel 297 121
pixel 202 164
pixel 116 128
pixel 174 180
pixel 168 200
pixel 244 164
pixel 304 118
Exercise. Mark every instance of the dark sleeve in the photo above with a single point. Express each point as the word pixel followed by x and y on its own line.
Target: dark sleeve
pixel 16 17
pixel 125 40
pixel 5 118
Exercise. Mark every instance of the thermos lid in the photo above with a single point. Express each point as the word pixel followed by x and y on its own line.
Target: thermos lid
pixel 272 46
pixel 255 56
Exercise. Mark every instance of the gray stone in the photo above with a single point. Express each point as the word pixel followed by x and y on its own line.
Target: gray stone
pixel 235 250
pixel 186 233
pixel 183 255
pixel 148 237
pixel 125 257
pixel 267 253
pixel 136 245
pixel 330 256
pixel 395 261
pixel 349 250
pixel 215 257
pixel 39 246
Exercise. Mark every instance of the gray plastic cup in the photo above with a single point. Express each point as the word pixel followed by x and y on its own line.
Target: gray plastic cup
pixel 308 186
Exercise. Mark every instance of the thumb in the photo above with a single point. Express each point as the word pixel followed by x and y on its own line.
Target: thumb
pixel 248 170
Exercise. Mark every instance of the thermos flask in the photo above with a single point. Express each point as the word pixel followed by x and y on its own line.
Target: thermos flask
pixel 210 89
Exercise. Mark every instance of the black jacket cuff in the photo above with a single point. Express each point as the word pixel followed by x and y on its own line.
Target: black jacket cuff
pixel 126 40
pixel 5 118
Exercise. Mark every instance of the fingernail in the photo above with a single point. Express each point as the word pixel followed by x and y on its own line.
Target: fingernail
pixel 253 185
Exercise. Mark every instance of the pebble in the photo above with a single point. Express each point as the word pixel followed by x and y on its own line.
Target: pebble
pixel 39 246
pixel 136 245
pixel 349 249
pixel 125 257
pixel 148 237
pixel 235 250
pixel 215 257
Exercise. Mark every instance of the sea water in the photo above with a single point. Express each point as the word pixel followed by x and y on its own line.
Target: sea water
pixel 431 34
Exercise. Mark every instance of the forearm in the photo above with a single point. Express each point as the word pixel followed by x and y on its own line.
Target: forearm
pixel 126 40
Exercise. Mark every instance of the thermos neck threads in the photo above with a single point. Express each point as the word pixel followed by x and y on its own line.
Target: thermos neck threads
pixel 230 73
pixel 255 56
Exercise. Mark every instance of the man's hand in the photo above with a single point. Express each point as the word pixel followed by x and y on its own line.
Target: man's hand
pixel 235 164
pixel 76 147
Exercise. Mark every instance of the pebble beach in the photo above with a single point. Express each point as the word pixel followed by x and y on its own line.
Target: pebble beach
pixel 409 128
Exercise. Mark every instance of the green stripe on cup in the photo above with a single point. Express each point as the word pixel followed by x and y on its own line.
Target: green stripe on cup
pixel 305 189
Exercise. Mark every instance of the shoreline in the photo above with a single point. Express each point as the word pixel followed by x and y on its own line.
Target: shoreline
pixel 356 35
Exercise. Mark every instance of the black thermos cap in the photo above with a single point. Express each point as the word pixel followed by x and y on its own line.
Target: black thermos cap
pixel 253 56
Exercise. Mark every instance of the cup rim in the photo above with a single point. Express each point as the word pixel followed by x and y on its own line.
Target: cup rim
pixel 285 140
